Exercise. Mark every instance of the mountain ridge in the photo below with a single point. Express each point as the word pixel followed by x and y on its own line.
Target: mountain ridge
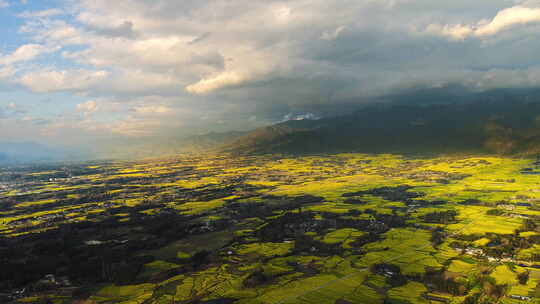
pixel 498 127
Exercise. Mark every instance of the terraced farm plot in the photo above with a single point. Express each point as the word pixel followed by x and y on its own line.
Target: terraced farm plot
pixel 266 249
pixel 473 222
pixel 342 236
pixel 410 249
pixel 410 293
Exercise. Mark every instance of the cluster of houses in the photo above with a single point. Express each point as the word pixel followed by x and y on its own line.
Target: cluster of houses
pixel 521 298
pixel 98 243
pixel 512 207
pixel 518 215
pixel 50 219
pixel 535 169
pixel 480 253
pixel 61 179
pixel 47 218
pixel 49 280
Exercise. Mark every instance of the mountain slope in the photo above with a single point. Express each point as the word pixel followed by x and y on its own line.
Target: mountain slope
pixel 488 127
pixel 210 140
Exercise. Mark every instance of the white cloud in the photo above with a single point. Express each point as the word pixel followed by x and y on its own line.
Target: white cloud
pixel 7 72
pixel 456 31
pixel 504 20
pixel 55 31
pixel 333 34
pixel 517 15
pixel 49 80
pixel 25 52
pixel 4 3
pixel 42 14
pixel 138 83
pixel 219 81
pixel 88 107
pixel 152 109
pixel 151 53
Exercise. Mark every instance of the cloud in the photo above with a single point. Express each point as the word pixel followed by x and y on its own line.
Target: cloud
pixel 124 29
pixel 456 31
pixel 4 3
pixel 152 109
pixel 333 34
pixel 42 14
pixel 35 121
pixel 304 116
pixel 88 107
pixel 517 15
pixel 137 67
pixel 7 72
pixel 49 80
pixel 25 52
pixel 16 108
pixel 12 110
pixel 219 81
pixel 504 20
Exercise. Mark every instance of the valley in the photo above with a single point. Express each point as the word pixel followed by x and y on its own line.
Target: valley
pixel 329 228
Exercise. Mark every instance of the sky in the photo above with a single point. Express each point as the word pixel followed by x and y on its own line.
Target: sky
pixel 76 72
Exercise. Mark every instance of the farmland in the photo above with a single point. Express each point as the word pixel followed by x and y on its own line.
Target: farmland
pixel 338 228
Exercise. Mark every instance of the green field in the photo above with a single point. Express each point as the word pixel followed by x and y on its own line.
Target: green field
pixel 336 229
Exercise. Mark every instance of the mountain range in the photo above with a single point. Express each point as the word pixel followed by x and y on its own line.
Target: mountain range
pixel 496 126
pixel 498 122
